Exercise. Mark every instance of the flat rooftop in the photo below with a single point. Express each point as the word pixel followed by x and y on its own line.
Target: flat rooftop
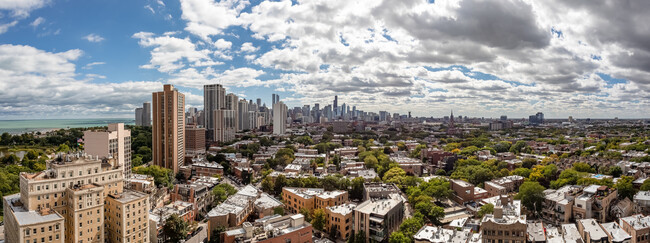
pixel 617 233
pixel 379 206
pixel 25 217
pixel 594 229
pixel 637 221
pixel 128 196
pixel 343 209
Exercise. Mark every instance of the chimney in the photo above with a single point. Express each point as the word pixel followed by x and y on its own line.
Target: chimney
pixel 498 212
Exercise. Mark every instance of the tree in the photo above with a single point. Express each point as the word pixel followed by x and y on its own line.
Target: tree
pixel 583 167
pixel 528 163
pixel 411 226
pixel 278 210
pixel 531 194
pixel 394 175
pixel 161 176
pixel 645 186
pixel 305 212
pixel 215 236
pixel 625 187
pixel 615 171
pixel 222 191
pixel 524 172
pixel 279 183
pixel 356 191
pixel 267 185
pixel 318 220
pixel 63 148
pixel 175 229
pixel 398 237
pixel 485 209
pixel 371 161
pixel 518 146
pixel 502 146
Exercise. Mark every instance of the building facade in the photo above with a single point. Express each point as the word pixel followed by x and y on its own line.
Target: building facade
pixel 115 142
pixel 168 130
pixel 214 98
pixel 127 217
pixel 279 118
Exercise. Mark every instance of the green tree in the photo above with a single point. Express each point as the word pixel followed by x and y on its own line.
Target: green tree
pixel 279 183
pixel 278 210
pixel 222 191
pixel 318 220
pixel 175 229
pixel 356 191
pixel 394 175
pixel 528 163
pixel 371 161
pixel 524 172
pixel 63 148
pixel 215 236
pixel 531 194
pixel 411 226
pixel 615 171
pixel 518 146
pixel 161 176
pixel 305 212
pixel 485 209
pixel 583 167
pixel 399 237
pixel 625 187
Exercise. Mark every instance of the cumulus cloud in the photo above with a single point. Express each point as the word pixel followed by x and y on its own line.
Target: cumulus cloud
pixel 38 21
pixel 25 70
pixel 22 8
pixel 93 38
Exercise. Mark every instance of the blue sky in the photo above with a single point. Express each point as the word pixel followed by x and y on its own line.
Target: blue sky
pixel 70 59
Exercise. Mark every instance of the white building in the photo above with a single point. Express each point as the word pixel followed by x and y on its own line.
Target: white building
pixel 279 118
pixel 115 142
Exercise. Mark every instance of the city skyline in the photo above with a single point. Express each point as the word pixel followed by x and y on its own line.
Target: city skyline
pixel 481 59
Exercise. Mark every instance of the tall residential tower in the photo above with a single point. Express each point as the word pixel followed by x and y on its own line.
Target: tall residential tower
pixel 168 130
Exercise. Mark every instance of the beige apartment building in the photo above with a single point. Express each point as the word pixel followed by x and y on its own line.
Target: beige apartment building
pixel 311 198
pixel 23 225
pixel 637 226
pixel 340 219
pixel 114 142
pixel 378 218
pixel 127 217
pixel 506 224
pixel 168 131
pixel 225 125
pixel 85 215
pixel 73 187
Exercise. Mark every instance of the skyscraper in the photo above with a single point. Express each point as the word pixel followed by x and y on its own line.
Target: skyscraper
pixel 115 142
pixel 226 125
pixel 279 118
pixel 168 130
pixel 335 109
pixel 273 100
pixel 143 115
pixel 259 102
pixel 214 98
pixel 242 115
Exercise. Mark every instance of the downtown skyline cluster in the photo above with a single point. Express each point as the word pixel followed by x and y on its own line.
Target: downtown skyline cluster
pixel 480 58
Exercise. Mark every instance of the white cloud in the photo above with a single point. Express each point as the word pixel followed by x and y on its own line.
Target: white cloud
pixel 25 70
pixel 223 44
pixel 5 27
pixel 93 38
pixel 92 64
pixel 21 8
pixel 207 18
pixel 160 2
pixel 249 47
pixel 38 21
pixel 170 54
pixel 148 7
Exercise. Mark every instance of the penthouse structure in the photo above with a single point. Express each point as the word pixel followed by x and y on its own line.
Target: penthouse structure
pixel 503 185
pixel 379 190
pixel 114 142
pixel 311 198
pixel 506 223
pixel 127 217
pixel 377 218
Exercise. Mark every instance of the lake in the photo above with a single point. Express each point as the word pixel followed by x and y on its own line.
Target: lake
pixel 26 126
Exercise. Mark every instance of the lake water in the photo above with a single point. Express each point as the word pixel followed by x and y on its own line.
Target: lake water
pixel 25 126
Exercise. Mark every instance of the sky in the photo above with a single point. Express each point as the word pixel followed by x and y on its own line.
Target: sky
pixel 104 58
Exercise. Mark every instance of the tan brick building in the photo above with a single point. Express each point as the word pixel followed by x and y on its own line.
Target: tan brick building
pixel 114 142
pixel 127 217
pixel 638 226
pixel 31 226
pixel 506 224
pixel 341 219
pixel 311 198
pixel 74 186
pixel 168 131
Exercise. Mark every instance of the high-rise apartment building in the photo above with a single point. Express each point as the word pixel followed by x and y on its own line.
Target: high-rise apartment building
pixel 127 217
pixel 335 108
pixel 279 118
pixel 242 115
pixel 194 140
pixel 114 142
pixel 214 98
pixel 168 130
pixel 64 201
pixel 225 125
pixel 143 115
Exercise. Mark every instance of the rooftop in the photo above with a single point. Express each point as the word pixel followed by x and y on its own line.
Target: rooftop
pixel 637 221
pixel 642 195
pixel 343 209
pixel 595 231
pixel 571 233
pixel 304 192
pixel 440 235
pixel 128 196
pixel 553 235
pixel 379 206
pixel 536 232
pixel 617 233
pixel 25 217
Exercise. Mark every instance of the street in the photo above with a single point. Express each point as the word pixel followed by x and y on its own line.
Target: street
pixel 199 237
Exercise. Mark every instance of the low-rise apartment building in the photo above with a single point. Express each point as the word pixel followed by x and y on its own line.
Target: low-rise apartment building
pixel 340 220
pixel 311 198
pixel 594 202
pixel 506 222
pixel 591 231
pixel 127 217
pixel 466 192
pixel 558 204
pixel 272 229
pixel 503 185
pixel 637 226
pixel 378 218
